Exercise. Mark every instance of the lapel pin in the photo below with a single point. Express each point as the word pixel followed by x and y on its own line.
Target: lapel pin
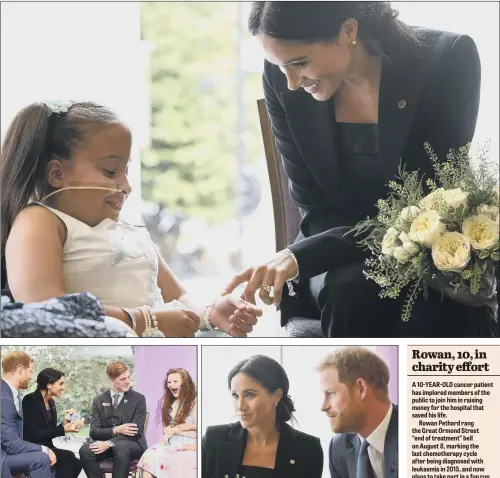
pixel 292 462
pixel 401 104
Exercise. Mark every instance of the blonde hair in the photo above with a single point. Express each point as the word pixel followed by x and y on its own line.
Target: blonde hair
pixel 16 359
pixel 352 363
pixel 115 369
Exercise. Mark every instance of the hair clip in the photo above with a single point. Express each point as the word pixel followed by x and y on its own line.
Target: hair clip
pixel 58 106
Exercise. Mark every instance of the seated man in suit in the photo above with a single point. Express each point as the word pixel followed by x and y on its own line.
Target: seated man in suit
pixel 19 456
pixel 354 382
pixel 116 425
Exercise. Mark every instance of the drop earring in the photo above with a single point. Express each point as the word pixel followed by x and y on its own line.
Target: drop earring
pixel 353 42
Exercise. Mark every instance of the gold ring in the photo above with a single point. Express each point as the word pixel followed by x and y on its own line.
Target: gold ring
pixel 267 288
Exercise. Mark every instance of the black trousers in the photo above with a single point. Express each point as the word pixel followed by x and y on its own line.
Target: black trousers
pixel 68 465
pixel 349 306
pixel 122 454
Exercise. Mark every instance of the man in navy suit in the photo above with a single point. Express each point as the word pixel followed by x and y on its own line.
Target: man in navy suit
pixel 17 455
pixel 354 382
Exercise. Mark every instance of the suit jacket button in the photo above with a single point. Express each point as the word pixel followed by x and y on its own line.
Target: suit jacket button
pixel 292 462
pixel 401 104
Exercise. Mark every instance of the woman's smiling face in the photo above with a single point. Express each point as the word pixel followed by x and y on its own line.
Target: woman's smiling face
pixel 319 68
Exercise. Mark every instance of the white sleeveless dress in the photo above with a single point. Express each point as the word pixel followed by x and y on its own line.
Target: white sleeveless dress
pixel 116 262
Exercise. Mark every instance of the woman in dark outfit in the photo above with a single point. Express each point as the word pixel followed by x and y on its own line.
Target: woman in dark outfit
pixel 261 444
pixel 352 92
pixel 40 421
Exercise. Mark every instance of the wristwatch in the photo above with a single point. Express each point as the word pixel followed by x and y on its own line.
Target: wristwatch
pixel 110 444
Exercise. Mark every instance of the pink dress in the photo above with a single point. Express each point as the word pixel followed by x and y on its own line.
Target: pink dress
pixel 167 461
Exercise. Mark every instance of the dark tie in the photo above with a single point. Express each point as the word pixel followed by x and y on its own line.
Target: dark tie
pixel 364 469
pixel 116 396
pixel 20 403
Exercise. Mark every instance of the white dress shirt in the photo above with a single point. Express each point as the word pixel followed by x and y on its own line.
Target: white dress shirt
pixel 376 441
pixel 120 397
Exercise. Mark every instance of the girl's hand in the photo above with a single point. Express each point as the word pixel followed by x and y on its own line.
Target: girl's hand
pixel 188 447
pixel 234 316
pixel 177 322
pixel 169 432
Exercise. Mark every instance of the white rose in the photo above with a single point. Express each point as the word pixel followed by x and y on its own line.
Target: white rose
pixel 426 228
pixel 481 231
pixel 407 214
pixel 491 211
pixel 455 197
pixel 451 252
pixel 388 241
pixel 401 255
pixel 408 245
pixel 428 201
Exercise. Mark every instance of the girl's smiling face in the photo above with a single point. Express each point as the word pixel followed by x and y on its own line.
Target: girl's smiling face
pixel 102 161
pixel 174 383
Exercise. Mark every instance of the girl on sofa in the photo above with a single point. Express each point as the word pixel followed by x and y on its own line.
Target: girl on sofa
pixel 64 180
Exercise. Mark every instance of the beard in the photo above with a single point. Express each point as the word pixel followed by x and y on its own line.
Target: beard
pixel 24 384
pixel 348 421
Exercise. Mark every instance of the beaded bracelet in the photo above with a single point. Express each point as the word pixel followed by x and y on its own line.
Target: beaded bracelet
pixel 205 320
pixel 151 323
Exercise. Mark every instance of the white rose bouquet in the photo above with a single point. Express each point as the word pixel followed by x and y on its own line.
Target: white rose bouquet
pixel 447 240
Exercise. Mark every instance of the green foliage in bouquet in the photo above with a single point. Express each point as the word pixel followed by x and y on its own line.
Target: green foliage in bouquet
pixel 447 239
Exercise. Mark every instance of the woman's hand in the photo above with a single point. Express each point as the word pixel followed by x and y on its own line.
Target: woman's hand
pixel 234 316
pixel 271 275
pixel 71 411
pixel 72 427
pixel 177 322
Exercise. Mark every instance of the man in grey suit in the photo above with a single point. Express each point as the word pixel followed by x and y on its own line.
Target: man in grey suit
pixel 17 455
pixel 116 426
pixel 354 382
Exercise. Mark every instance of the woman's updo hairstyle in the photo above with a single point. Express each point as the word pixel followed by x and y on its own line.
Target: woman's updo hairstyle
pixel 310 22
pixel 272 376
pixel 48 376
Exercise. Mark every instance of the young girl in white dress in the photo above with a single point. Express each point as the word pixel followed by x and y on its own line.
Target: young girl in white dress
pixel 175 455
pixel 63 174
